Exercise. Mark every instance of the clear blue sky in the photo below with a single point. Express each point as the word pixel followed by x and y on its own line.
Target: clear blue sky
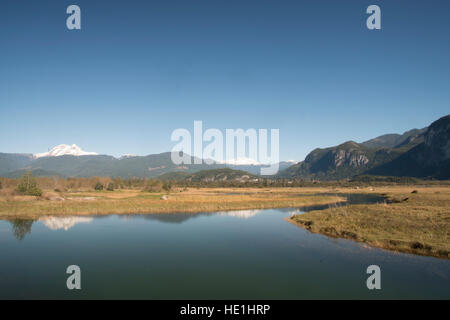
pixel 140 69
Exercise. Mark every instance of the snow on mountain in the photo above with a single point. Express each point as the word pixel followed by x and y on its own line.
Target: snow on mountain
pixel 63 150
pixel 250 162
pixel 240 162
pixel 125 156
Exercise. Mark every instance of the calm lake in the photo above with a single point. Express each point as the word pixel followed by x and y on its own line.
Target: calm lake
pixel 252 254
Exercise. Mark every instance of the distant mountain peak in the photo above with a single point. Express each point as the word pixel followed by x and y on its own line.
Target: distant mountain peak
pixel 125 156
pixel 394 140
pixel 350 144
pixel 240 162
pixel 65 150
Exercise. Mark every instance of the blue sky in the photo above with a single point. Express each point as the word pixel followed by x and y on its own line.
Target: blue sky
pixel 140 69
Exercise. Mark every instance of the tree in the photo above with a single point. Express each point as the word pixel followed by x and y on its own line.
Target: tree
pixel 28 185
pixel 21 228
pixel 110 187
pixel 98 186
pixel 1 185
pixel 167 186
pixel 153 185
pixel 118 183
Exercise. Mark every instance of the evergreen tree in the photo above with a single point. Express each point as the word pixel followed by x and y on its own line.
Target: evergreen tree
pixel 28 185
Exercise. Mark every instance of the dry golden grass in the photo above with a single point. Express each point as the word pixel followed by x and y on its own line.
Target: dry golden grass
pixel 414 222
pixel 134 201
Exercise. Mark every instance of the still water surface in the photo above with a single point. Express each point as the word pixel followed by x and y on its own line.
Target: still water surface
pixel 252 254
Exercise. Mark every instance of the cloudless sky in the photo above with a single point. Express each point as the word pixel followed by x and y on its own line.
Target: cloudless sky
pixel 137 70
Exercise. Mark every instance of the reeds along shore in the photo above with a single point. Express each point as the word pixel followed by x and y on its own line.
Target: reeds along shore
pixel 414 220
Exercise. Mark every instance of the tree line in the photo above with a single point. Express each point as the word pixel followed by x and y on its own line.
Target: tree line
pixel 33 186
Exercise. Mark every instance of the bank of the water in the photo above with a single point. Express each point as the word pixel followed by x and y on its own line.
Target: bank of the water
pixel 414 222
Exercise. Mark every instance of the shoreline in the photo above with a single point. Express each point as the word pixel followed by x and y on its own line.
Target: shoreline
pixel 414 222
pixel 370 245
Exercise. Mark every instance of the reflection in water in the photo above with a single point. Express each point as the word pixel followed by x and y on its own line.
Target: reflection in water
pixel 56 223
pixel 296 211
pixel 168 218
pixel 354 198
pixel 303 210
pixel 241 214
pixel 183 217
pixel 21 228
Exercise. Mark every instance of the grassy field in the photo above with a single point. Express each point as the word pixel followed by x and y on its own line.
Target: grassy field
pixel 416 221
pixel 135 201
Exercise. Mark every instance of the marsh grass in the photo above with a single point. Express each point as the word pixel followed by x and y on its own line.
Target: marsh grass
pixel 420 224
pixel 135 201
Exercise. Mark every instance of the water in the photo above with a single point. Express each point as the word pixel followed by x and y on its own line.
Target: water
pixel 252 254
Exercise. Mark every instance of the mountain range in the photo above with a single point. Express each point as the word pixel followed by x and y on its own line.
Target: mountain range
pixel 215 175
pixel 422 153
pixel 72 161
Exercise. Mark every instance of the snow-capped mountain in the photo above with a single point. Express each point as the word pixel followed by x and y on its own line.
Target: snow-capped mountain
pixel 248 162
pixel 240 162
pixel 64 149
pixel 72 161
pixel 125 156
